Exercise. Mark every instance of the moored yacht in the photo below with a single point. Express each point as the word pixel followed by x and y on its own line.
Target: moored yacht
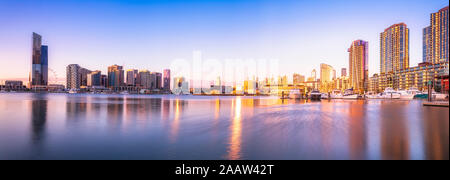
pixel 336 94
pixel 315 95
pixel 349 94
pixel 295 94
pixel 390 93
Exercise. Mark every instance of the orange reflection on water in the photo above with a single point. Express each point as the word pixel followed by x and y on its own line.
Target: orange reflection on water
pixel 234 150
pixel 176 122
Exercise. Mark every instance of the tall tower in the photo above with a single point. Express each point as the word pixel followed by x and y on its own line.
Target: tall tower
pixel 166 80
pixel 394 48
pixel 359 65
pixel 115 76
pixel 435 38
pixel 39 62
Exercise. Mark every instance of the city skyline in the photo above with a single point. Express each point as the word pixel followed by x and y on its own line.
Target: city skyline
pixel 299 66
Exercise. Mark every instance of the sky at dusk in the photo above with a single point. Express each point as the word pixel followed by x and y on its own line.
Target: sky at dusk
pixel 150 34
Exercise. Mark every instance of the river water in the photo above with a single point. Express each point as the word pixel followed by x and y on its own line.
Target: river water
pixel 64 126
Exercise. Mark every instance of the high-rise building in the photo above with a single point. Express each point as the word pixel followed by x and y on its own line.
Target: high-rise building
pixel 132 75
pixel 73 76
pixel 145 79
pixel 104 80
pixel 84 76
pixel 344 72
pixel 94 79
pixel 427 55
pixel 39 67
pixel 435 38
pixel 334 74
pixel 326 73
pixel 298 79
pixel 394 48
pixel 359 65
pixel 157 80
pixel 314 74
pixel 115 76
pixel 166 80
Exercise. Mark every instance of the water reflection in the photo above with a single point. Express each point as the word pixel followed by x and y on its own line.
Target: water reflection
pixel 38 121
pixel 394 133
pixel 171 127
pixel 234 150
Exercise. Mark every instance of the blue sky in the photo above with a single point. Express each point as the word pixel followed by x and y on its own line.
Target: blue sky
pixel 149 34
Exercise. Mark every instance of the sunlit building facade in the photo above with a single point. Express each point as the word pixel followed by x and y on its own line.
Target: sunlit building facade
pixel 115 76
pixel 435 38
pixel 394 48
pixel 417 77
pixel 359 65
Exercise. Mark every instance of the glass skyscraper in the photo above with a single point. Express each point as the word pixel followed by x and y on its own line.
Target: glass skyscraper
pixel 394 48
pixel 39 67
pixel 435 38
pixel 359 65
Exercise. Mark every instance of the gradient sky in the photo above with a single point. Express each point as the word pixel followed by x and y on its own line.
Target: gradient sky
pixel 149 34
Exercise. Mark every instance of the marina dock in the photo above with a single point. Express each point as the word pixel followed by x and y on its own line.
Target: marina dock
pixel 436 104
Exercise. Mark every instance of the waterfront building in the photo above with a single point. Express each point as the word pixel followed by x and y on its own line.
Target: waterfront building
pixel 180 86
pixel 94 79
pixel 73 76
pixel 417 77
pixel 145 80
pixel 394 48
pixel 166 80
pixel 39 67
pixel 104 80
pixel 435 38
pixel 298 79
pixel 84 76
pixel 156 80
pixel 115 76
pixel 326 72
pixel 314 74
pixel 343 72
pixel 326 78
pixel 11 85
pixel 132 75
pixel 359 65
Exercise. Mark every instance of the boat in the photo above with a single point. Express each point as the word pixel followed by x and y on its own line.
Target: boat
pixel 349 94
pixel 405 95
pixel 390 93
pixel 324 96
pixel 315 95
pixel 295 94
pixel 73 91
pixel 124 93
pixel 3 91
pixel 336 94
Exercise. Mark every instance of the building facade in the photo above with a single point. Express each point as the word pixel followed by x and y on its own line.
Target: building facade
pixel 132 75
pixel 94 79
pixel 344 72
pixel 115 76
pixel 417 77
pixel 394 48
pixel 166 80
pixel 39 67
pixel 298 79
pixel 73 80
pixel 435 38
pixel 359 65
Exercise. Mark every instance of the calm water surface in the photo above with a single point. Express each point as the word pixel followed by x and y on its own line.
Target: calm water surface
pixel 60 126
